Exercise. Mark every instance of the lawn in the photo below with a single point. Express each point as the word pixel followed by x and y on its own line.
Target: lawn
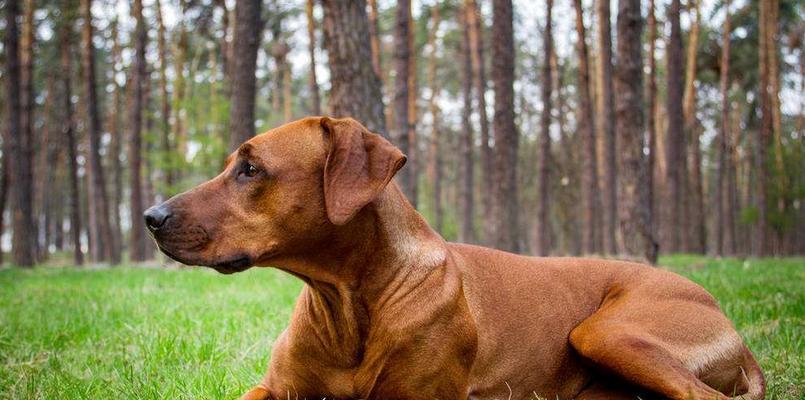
pixel 157 333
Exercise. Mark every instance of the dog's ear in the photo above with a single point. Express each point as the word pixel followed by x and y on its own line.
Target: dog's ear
pixel 359 166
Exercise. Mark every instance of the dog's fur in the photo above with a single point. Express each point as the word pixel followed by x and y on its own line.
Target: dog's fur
pixel 392 311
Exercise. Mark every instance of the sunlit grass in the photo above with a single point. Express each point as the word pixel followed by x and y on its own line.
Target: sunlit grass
pixel 154 333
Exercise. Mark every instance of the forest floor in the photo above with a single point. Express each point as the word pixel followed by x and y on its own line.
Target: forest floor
pixel 190 333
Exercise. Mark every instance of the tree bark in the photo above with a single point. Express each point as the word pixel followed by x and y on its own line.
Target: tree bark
pixel 402 91
pixel 590 196
pixel 696 240
pixel 763 135
pixel 466 232
pixel 355 87
pixel 506 136
pixel 374 39
pixel 633 194
pixel 413 148
pixel 66 57
pixel 610 215
pixel 99 203
pixel 677 163
pixel 543 240
pixel 652 119
pixel 479 82
pixel 248 30
pixel 311 35
pixel 179 88
pixel 723 234
pixel 115 148
pixel 137 234
pixel 435 162
pixel 19 103
pixel 165 102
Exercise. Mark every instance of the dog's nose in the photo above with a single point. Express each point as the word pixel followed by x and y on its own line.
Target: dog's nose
pixel 156 216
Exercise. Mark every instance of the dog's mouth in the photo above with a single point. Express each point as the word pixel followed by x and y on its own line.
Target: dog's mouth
pixel 239 264
pixel 230 266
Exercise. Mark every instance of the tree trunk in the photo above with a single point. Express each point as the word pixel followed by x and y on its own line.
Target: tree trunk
pixel 137 234
pixel 722 219
pixel 355 87
pixel 311 35
pixel 179 88
pixel 19 105
pixel 633 194
pixel 543 240
pixel 652 119
pixel 506 137
pixel 610 215
pixel 99 203
pixel 695 237
pixel 115 148
pixel 781 180
pixel 402 55
pixel 677 163
pixel 413 149
pixel 248 30
pixel 763 135
pixel 374 40
pixel 590 197
pixel 466 232
pixel 49 164
pixel 479 81
pixel 165 105
pixel 4 186
pixel 66 57
pixel 435 161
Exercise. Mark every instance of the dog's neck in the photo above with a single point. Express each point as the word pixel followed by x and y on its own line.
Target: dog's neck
pixel 370 264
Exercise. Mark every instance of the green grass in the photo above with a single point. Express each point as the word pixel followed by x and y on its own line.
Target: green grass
pixel 143 333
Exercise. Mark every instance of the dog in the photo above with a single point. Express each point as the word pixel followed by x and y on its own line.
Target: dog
pixel 390 310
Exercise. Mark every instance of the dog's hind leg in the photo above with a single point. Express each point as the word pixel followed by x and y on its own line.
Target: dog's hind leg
pixel 630 355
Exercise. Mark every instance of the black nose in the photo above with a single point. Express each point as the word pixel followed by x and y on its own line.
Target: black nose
pixel 156 216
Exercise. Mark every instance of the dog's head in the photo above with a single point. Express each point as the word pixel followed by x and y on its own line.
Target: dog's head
pixel 280 193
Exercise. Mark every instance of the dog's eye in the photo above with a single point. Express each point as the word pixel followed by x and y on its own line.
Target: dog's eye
pixel 249 170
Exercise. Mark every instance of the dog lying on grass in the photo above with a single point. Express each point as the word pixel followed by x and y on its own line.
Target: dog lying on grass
pixel 392 311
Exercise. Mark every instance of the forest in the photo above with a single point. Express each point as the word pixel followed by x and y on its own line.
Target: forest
pixel 621 128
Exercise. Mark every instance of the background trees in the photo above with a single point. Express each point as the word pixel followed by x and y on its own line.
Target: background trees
pixel 707 154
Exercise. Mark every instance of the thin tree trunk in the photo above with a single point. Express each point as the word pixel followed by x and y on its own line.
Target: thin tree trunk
pixel 248 30
pixel 721 209
pixel 633 193
pixel 99 203
pixel 696 240
pixel 402 54
pixel 677 163
pixel 435 162
pixel 165 105
pixel 115 148
pixel 225 45
pixel 506 137
pixel 466 232
pixel 590 197
pixel 543 240
pixel 19 105
pixel 355 87
pixel 413 148
pixel 374 40
pixel 652 118
pixel 781 180
pixel 608 117
pixel 137 234
pixel 763 135
pixel 180 87
pixel 50 155
pixel 66 57
pixel 311 35
pixel 479 81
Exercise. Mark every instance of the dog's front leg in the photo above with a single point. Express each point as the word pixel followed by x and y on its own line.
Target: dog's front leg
pixel 257 393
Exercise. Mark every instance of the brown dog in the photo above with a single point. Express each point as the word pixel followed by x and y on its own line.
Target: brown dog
pixel 392 311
